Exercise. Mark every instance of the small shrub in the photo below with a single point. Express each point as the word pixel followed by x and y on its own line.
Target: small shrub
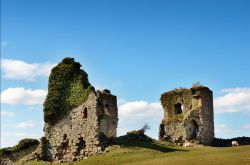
pixel 145 128
pixel 140 131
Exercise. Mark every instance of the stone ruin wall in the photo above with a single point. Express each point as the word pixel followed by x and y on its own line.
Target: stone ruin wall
pixel 108 114
pixel 195 122
pixel 84 131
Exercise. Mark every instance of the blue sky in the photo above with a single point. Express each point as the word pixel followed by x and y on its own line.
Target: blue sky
pixel 137 48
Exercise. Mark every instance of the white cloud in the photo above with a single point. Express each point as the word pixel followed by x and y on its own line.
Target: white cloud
pixel 233 100
pixel 121 101
pixel 26 124
pixel 122 131
pixel 20 95
pixel 133 115
pixel 140 110
pixel 7 114
pixel 20 70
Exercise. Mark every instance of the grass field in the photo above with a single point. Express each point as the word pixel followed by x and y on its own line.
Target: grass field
pixel 159 153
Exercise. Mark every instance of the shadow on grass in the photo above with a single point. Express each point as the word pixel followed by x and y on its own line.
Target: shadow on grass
pixel 143 142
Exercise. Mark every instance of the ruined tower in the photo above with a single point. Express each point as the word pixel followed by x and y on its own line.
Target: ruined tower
pixel 188 115
pixel 79 121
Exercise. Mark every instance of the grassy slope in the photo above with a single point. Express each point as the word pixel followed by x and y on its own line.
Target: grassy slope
pixel 140 153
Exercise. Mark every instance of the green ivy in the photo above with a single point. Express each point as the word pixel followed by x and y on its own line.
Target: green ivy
pixel 68 88
pixel 168 101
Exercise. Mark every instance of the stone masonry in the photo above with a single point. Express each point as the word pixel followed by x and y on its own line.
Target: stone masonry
pixel 85 131
pixel 188 116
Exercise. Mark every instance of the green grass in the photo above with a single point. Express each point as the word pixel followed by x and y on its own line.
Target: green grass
pixel 159 153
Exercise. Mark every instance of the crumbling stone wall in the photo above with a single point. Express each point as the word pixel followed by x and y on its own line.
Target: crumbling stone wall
pixel 108 114
pixel 82 132
pixel 79 121
pixel 188 116
pixel 13 157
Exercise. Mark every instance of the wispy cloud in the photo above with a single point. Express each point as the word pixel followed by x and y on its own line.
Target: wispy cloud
pixel 233 100
pixel 20 95
pixel 26 124
pixel 20 70
pixel 7 114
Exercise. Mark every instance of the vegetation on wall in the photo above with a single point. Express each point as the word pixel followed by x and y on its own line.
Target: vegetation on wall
pixel 170 99
pixel 22 144
pixel 181 96
pixel 68 87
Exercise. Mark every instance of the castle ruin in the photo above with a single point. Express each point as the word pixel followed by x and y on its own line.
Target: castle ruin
pixel 188 116
pixel 79 121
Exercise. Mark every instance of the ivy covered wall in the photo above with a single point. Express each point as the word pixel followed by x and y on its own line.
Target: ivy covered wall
pixel 68 87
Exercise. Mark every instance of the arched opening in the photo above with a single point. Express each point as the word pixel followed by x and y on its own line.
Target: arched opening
pixel 85 113
pixel 194 128
pixel 178 108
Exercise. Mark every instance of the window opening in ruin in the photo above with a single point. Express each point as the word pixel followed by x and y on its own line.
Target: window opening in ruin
pixel 194 128
pixel 82 143
pixel 85 113
pixel 178 108
pixel 64 136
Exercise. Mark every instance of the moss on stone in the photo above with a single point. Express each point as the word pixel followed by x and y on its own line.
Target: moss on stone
pixel 180 95
pixel 168 99
pixel 174 119
pixel 68 88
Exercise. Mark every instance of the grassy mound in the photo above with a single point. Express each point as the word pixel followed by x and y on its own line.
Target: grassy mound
pixel 68 87
pixel 160 153
pixel 22 144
